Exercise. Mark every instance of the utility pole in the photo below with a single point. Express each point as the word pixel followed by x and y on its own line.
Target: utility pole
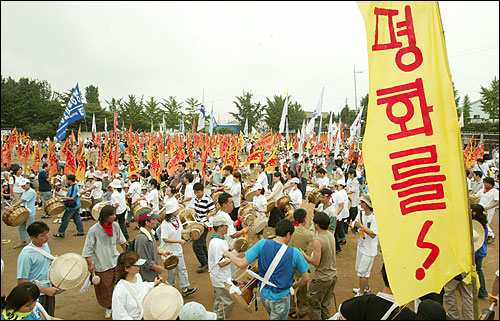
pixel 355 93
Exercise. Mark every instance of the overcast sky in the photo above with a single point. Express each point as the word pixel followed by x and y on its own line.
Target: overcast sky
pixel 181 49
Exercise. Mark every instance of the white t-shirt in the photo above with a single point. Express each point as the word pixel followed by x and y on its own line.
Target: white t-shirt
pixel 279 188
pixel 174 232
pixel 295 198
pixel 154 200
pixel 353 186
pixel 97 192
pixel 341 197
pixel 262 180
pixel 123 304
pixel 16 188
pixel 218 275
pixel 189 192
pixel 228 183
pixel 231 230
pixel 236 193
pixel 260 201
pixel 135 190
pixel 487 199
pixel 119 198
pixel 368 245
pixel 323 182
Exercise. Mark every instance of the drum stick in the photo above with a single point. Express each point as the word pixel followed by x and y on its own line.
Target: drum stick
pixel 222 258
pixel 66 275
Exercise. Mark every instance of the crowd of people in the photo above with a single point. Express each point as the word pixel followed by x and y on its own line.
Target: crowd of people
pixel 294 237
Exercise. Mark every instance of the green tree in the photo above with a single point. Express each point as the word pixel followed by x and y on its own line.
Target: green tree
pixel 172 112
pixel 247 110
pixel 131 112
pixel 364 105
pixel 457 98
pixel 152 112
pixel 192 111
pixel 92 95
pixel 489 99
pixel 274 108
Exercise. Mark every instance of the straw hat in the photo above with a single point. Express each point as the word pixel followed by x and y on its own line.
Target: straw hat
pixel 163 302
pixel 196 311
pixel 97 174
pixel 68 271
pixel 477 235
pixel 171 206
pixel 116 183
pixel 367 199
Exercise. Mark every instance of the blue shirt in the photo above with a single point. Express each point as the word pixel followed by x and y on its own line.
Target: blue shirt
pixel 36 314
pixel 32 265
pixel 282 277
pixel 73 192
pixel 30 197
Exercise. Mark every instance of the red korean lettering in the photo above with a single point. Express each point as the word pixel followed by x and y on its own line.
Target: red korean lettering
pixel 390 24
pixel 409 31
pixel 415 187
pixel 402 94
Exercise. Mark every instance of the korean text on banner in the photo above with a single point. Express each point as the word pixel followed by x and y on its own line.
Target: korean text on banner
pixel 412 149
pixel 74 111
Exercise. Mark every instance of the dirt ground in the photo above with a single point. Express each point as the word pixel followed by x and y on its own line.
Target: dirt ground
pixel 75 305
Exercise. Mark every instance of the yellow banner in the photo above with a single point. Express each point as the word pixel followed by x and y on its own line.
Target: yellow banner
pixel 412 150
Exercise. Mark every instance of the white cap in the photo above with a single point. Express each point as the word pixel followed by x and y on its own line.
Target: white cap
pixel 258 186
pixel 140 262
pixel 24 181
pixel 196 311
pixel 295 180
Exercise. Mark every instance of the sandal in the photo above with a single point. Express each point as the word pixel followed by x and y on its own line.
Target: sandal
pixel 293 315
pixel 78 234
pixel 58 235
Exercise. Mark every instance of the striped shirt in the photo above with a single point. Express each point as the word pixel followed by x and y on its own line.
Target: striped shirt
pixel 202 207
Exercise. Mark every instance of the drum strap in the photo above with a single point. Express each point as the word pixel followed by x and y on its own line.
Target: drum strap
pixel 135 298
pixel 47 255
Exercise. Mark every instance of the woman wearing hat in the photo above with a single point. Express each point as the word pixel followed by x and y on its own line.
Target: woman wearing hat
pixel 28 198
pixel 14 182
pixel 295 194
pixel 171 241
pixel 130 290
pixel 119 202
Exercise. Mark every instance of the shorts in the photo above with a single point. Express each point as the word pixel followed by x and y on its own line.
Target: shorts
pixel 364 264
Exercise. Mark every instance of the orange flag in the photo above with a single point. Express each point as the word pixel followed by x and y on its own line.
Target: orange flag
pixel 255 157
pixel 36 158
pixel 270 164
pixel 53 161
pixel 80 172
pixel 70 167
pixel 350 157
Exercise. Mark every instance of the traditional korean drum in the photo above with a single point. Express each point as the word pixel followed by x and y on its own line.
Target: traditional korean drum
pixel 171 262
pixel 186 216
pixel 195 231
pixel 139 208
pixel 249 195
pixel 54 206
pixel 85 201
pixel 289 214
pixel 270 206
pixel 240 245
pixel 16 215
pixel 96 210
pixel 215 197
pixel 247 296
pixel 68 271
pixel 283 202
pixel 314 196
pixel 258 225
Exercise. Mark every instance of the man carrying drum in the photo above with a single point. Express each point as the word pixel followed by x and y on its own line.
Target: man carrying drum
pixel 33 264
pixel 28 198
pixel 220 270
pixel 277 264
pixel 204 207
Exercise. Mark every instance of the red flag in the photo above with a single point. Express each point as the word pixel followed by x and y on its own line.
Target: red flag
pixel 99 158
pixel 115 122
pixel 350 157
pixel 70 167
pixel 53 162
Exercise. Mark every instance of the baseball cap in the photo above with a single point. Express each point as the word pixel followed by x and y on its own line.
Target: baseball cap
pixel 196 311
pixel 140 262
pixel 148 216
pixel 219 221
pixel 295 180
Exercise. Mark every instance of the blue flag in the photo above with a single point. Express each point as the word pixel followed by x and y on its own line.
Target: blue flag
pixel 74 111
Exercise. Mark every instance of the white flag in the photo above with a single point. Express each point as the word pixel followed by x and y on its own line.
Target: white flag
pixel 284 113
pixel 301 141
pixel 334 132
pixel 245 130
pixel 320 108
pixel 93 123
pixel 105 126
pixel 337 146
pixel 461 121
pixel 201 118
pixel 329 135
pixel 355 127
